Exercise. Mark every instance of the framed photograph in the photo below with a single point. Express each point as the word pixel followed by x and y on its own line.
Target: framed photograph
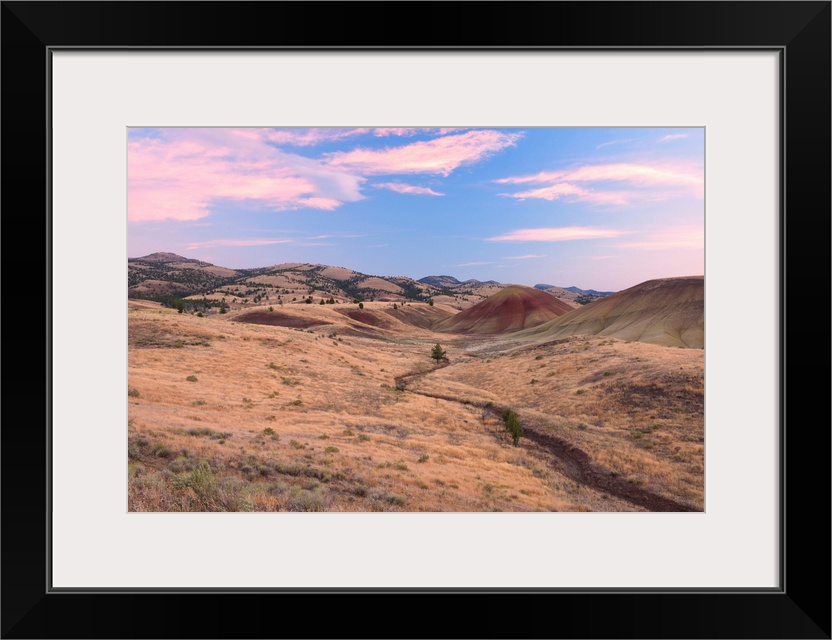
pixel 176 137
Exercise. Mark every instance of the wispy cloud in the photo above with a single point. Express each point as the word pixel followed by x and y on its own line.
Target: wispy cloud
pixel 528 256
pixel 182 173
pixel 676 238
pixel 235 242
pixel 631 182
pixel 473 264
pixel 439 156
pixel 556 234
pixel 338 235
pixel 612 142
pixel 308 137
pixel 673 136
pixel 383 132
pixel 640 174
pixel 563 189
pixel 400 187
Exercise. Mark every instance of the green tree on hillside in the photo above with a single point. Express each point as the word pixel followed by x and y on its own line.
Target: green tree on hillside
pixel 437 353
pixel 513 426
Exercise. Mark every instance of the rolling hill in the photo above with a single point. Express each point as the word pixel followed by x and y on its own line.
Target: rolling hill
pixel 166 277
pixel 667 311
pixel 513 308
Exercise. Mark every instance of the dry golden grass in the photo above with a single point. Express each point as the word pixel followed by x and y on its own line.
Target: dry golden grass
pixel 637 409
pixel 237 417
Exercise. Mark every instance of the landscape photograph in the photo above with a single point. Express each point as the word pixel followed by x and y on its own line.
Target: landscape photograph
pixel 415 319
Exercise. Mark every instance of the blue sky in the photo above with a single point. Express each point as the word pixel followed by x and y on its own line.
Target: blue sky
pixel 598 208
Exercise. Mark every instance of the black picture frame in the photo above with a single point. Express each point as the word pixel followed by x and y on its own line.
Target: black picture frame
pixel 799 608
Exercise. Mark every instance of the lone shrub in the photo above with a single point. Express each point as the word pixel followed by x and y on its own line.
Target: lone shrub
pixel 513 425
pixel 437 353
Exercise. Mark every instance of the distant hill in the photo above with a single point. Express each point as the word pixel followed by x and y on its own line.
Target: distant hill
pixel 569 296
pixel 450 282
pixel 667 311
pixel 588 292
pixel 513 308
pixel 440 281
pixel 164 257
pixel 166 277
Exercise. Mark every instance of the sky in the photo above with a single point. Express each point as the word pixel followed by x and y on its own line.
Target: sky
pixel 596 208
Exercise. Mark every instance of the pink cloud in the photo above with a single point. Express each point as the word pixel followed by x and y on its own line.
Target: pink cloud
pixel 233 242
pixel 639 174
pixel 556 191
pixel 382 132
pixel 181 174
pixel 308 137
pixel 438 156
pixel 400 187
pixel 646 182
pixel 687 237
pixel 338 235
pixel 529 256
pixel 557 234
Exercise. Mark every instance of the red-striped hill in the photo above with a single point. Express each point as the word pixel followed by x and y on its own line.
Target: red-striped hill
pixel 513 308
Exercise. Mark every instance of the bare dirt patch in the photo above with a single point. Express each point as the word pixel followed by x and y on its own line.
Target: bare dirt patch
pixel 276 319
pixel 365 318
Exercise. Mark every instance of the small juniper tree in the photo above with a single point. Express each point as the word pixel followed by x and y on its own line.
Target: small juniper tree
pixel 437 353
pixel 513 426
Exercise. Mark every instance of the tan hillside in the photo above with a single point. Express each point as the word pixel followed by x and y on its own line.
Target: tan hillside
pixel 667 311
pixel 510 309
pixel 239 416
pixel 420 315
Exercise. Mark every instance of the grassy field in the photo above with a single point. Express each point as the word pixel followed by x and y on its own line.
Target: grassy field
pixel 228 416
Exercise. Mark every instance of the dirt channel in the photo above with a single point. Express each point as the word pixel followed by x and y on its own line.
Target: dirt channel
pixel 576 464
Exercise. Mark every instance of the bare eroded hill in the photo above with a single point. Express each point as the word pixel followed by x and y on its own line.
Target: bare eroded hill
pixel 667 311
pixel 511 309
